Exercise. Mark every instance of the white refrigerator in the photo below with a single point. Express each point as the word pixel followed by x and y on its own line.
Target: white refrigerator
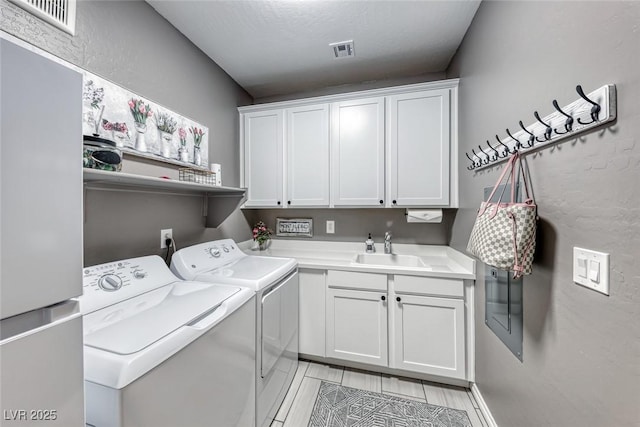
pixel 41 369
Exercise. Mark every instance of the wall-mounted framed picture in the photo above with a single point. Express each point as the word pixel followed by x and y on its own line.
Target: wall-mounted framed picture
pixel 294 227
pixel 141 127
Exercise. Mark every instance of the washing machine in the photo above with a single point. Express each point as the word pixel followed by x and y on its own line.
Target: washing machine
pixel 159 351
pixel 275 282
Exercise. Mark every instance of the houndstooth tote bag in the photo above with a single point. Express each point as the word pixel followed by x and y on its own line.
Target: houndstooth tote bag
pixel 504 234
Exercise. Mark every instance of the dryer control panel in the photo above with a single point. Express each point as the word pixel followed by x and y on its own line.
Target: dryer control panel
pixel 113 282
pixel 188 262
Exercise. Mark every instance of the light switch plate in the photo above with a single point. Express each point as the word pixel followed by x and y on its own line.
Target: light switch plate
pixel 596 276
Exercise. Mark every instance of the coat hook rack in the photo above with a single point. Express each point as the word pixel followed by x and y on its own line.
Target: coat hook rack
pixel 587 112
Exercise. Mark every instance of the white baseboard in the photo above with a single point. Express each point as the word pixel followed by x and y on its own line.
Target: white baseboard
pixel 483 405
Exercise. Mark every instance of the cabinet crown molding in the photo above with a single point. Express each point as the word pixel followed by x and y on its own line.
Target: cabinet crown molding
pixel 393 90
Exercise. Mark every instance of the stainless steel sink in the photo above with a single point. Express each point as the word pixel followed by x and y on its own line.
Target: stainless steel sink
pixel 389 260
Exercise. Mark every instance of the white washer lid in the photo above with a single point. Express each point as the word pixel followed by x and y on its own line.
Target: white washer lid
pixel 255 272
pixel 158 317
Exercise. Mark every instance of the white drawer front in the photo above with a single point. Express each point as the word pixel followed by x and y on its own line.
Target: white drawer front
pixel 353 280
pixel 429 286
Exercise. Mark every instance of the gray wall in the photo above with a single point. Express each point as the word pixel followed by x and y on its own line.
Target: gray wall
pixel 129 43
pixel 581 349
pixel 354 225
pixel 353 87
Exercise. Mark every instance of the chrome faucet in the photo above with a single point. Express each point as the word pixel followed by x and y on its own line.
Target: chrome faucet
pixel 387 242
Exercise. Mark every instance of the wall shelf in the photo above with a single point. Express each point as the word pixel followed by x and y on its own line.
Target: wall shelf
pixel 106 179
pixel 218 202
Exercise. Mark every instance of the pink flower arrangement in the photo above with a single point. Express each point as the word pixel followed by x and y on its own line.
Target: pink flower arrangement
pixel 197 135
pixel 183 137
pixel 261 233
pixel 140 110
pixel 117 126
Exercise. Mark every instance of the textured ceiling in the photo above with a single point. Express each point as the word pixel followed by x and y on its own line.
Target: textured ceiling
pixel 282 47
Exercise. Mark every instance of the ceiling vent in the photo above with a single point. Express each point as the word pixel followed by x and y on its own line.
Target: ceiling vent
pixel 59 13
pixel 343 49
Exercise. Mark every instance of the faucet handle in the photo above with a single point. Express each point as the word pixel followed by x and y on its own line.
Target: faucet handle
pixel 387 235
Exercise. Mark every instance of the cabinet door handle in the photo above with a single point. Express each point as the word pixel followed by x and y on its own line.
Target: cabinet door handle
pixel 381 202
pixel 394 202
pixel 383 298
pixel 288 202
pixel 398 299
pixel 278 202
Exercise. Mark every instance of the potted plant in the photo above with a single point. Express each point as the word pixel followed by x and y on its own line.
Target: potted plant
pixel 166 127
pixel 140 112
pixel 183 154
pixel 197 139
pixel 262 235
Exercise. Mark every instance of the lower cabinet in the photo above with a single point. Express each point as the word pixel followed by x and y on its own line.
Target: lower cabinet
pixel 357 326
pixel 428 335
pixel 410 323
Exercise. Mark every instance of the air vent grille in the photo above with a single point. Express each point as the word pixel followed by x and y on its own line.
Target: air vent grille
pixel 60 13
pixel 343 49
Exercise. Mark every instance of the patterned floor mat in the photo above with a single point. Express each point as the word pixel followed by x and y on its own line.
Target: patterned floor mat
pixel 339 406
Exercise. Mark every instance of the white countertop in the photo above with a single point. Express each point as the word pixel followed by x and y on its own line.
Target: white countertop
pixel 440 261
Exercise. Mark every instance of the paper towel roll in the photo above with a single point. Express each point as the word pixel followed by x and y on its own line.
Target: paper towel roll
pixel 424 215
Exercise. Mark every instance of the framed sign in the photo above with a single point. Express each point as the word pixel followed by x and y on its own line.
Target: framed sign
pixel 298 227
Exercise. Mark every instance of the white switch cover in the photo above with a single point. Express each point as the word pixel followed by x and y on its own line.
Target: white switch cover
pixel 331 227
pixel 591 269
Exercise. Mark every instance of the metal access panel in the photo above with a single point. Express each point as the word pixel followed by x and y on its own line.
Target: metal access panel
pixel 503 306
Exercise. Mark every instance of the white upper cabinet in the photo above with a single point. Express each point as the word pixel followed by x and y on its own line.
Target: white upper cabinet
pixel 357 145
pixel 263 165
pixel 307 147
pixel 391 147
pixel 418 144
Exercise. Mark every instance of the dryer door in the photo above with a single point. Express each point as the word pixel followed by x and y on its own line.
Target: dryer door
pixel 279 320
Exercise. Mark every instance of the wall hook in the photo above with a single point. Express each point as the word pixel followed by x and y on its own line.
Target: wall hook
pixel 547 131
pixel 484 161
pixel 496 156
pixel 568 124
pixel 473 162
pixel 595 109
pixel 532 138
pixel 518 143
pixel 508 151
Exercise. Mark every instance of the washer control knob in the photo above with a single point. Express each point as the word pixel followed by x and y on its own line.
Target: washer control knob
pixel 226 249
pixel 110 282
pixel 215 252
pixel 139 274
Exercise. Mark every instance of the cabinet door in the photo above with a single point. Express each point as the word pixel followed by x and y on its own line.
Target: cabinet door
pixel 312 312
pixel 429 335
pixel 357 145
pixel 357 326
pixel 263 165
pixel 308 156
pixel 419 148
pixel 41 176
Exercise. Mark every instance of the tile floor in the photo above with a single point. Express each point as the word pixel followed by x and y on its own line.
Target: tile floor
pixel 298 404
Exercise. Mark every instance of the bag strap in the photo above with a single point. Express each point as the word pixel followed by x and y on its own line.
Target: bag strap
pixel 524 180
pixel 510 168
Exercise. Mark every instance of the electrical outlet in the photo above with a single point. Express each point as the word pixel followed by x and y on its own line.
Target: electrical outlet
pixel 331 227
pixel 164 235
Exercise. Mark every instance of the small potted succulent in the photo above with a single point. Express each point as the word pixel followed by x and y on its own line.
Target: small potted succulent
pixel 262 235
